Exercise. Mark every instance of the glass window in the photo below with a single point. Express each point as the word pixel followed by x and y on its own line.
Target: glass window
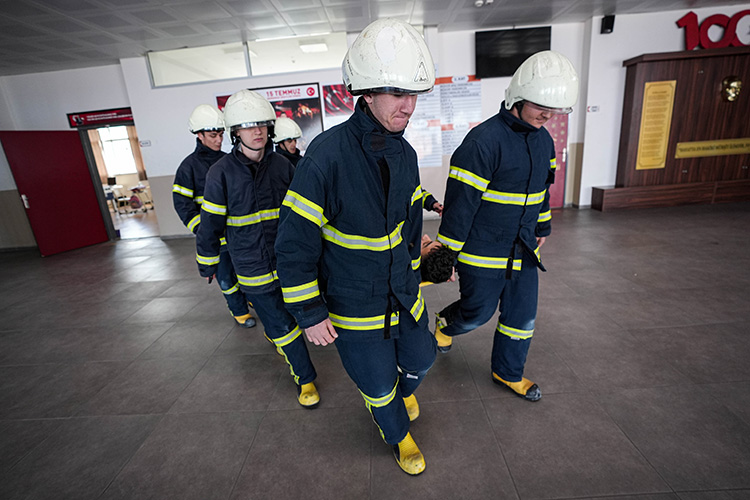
pixel 199 64
pixel 118 156
pixel 303 53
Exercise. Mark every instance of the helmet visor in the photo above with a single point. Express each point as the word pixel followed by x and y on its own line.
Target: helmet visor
pixel 545 109
pixel 267 123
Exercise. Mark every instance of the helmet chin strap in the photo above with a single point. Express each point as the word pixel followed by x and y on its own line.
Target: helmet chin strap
pixel 237 139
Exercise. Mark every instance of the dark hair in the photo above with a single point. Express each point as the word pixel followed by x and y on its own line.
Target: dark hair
pixel 437 266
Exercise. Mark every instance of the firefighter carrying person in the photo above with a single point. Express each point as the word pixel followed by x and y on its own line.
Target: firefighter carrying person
pixel 497 215
pixel 244 191
pixel 286 133
pixel 207 123
pixel 348 249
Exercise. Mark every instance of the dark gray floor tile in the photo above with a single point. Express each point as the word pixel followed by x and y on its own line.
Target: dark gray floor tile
pixel 463 460
pixel 146 386
pixel 211 307
pixel 693 442
pixel 655 496
pixel 571 316
pixel 53 390
pixel 19 437
pixel 246 341
pixel 311 454
pixel 163 309
pixel 641 310
pixel 79 460
pixel 734 395
pixel 189 340
pixel 196 286
pixel 188 456
pixel 715 495
pixel 566 446
pixel 232 383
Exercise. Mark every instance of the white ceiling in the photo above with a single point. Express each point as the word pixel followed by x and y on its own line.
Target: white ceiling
pixel 48 35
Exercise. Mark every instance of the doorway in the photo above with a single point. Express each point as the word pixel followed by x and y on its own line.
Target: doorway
pixel 123 179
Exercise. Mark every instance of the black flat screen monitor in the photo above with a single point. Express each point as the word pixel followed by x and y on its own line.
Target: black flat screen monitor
pixel 501 52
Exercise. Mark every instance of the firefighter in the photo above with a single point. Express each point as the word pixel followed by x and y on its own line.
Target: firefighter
pixel 348 249
pixel 207 123
pixel 497 215
pixel 243 194
pixel 286 134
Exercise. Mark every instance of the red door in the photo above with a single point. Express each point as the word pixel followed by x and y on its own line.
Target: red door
pixel 55 184
pixel 557 126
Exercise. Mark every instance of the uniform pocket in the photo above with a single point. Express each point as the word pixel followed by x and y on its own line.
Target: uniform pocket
pixel 349 288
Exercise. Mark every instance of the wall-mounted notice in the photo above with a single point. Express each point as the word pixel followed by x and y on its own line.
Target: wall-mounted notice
pixel 656 120
pixel 423 131
pixel 460 108
pixel 721 147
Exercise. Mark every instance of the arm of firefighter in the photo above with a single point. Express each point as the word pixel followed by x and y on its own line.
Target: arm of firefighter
pixel 544 221
pixel 183 199
pixel 299 245
pixel 213 223
pixel 412 230
pixel 429 202
pixel 470 174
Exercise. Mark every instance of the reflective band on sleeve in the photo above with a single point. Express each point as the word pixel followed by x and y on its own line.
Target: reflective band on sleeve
pixel 520 199
pixel 304 208
pixel 425 194
pixel 553 163
pixel 416 263
pixel 544 216
pixel 194 223
pixel 247 220
pixel 213 208
pixel 488 262
pixel 536 252
pixel 198 200
pixel 357 242
pixel 417 195
pixel 257 280
pixel 299 293
pixel 454 245
pixel 361 324
pixel 469 178
pixel 207 261
pixel 515 332
pixel 382 401
pixel 176 188
pixel 288 338
pixel 418 308
pixel 230 291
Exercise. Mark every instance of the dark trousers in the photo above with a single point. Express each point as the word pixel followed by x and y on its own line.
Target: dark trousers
pixel 284 332
pixel 386 371
pixel 229 286
pixel 518 303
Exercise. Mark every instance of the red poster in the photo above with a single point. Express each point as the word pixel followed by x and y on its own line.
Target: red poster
pixel 100 118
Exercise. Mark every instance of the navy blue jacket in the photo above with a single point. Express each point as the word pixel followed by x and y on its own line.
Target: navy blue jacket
pixel 243 197
pixel 294 158
pixel 189 182
pixel 496 197
pixel 349 235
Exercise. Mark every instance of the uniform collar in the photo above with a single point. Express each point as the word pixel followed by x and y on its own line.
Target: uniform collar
pixel 515 124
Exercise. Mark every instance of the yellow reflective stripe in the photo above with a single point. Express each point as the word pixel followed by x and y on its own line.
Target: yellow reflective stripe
pixel 488 262
pixel 544 216
pixel 368 323
pixel 520 199
pixel 198 200
pixel 194 222
pixel 416 263
pixel 223 240
pixel 299 293
pixel 304 208
pixel 454 245
pixel 469 178
pixel 382 401
pixel 213 208
pixel 247 220
pixel 536 252
pixel 230 291
pixel 261 280
pixel 514 332
pixel 357 242
pixel 553 163
pixel 416 195
pixel 425 194
pixel 288 338
pixel 207 260
pixel 176 188
pixel 418 308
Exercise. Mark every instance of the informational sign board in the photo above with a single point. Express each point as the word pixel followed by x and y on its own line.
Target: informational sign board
pixel 656 121
pixel 100 118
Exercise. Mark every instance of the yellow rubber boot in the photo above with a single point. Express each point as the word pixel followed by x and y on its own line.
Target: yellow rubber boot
pixel 524 388
pixel 408 456
pixel 246 320
pixel 412 407
pixel 308 395
pixel 444 342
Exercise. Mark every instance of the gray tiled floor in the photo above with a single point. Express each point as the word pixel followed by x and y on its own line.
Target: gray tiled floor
pixel 122 376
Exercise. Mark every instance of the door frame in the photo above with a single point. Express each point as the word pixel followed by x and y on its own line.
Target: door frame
pixel 83 134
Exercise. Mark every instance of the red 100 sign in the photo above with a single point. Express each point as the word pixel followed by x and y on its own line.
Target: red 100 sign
pixel 698 34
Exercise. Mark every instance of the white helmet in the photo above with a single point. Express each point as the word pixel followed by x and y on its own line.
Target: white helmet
pixel 388 56
pixel 204 118
pixel 246 109
pixel 547 79
pixel 285 128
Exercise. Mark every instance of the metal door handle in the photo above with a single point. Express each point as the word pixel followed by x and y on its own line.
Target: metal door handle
pixel 25 201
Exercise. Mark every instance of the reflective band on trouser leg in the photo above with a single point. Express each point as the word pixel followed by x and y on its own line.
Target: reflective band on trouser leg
pixel 284 341
pixel 380 402
pixel 231 290
pixel 514 333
